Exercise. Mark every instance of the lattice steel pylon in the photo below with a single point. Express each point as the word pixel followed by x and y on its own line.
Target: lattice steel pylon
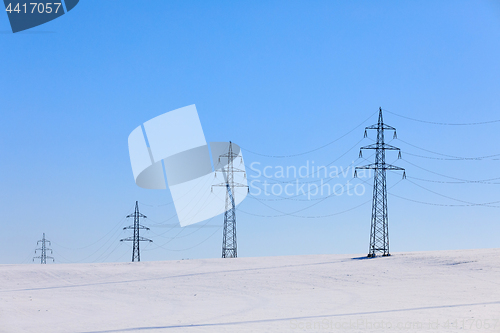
pixel 136 239
pixel 379 231
pixel 43 256
pixel 229 245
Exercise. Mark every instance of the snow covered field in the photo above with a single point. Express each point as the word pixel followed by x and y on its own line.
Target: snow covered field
pixel 444 291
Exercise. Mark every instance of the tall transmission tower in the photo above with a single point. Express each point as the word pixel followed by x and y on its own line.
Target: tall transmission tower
pixel 379 232
pixel 43 256
pixel 229 245
pixel 136 239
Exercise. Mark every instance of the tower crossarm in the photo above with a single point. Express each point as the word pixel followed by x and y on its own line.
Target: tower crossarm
pixel 233 185
pixel 380 167
pixel 384 146
pixel 137 214
pixel 139 227
pixel 44 249
pixel 234 170
pixel 44 258
pixel 225 171
pixel 381 126
pixel 131 239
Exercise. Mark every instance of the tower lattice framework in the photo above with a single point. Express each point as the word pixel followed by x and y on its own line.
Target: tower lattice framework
pixel 229 244
pixel 136 239
pixel 43 255
pixel 379 231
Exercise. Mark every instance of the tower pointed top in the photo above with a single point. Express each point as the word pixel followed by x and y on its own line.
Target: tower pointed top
pixel 380 119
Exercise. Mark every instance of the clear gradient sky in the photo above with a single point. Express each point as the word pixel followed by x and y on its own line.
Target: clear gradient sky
pixel 276 77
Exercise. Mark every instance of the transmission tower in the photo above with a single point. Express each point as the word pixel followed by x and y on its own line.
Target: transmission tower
pixel 136 239
pixel 43 256
pixel 229 246
pixel 379 232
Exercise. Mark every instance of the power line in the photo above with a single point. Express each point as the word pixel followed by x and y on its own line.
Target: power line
pixel 293 213
pixel 162 223
pixel 309 217
pixel 173 226
pixel 189 248
pixel 330 179
pixel 446 155
pixel 26 260
pixel 196 227
pixel 182 230
pixel 445 124
pixel 97 241
pixel 111 238
pixel 64 259
pixel 162 205
pixel 206 181
pixel 314 172
pixel 313 150
pixel 449 177
pixel 312 216
pixel 302 209
pixel 103 256
pixel 485 181
pixel 445 205
pixel 454 159
pixel 451 198
pixel 308 191
pixel 123 255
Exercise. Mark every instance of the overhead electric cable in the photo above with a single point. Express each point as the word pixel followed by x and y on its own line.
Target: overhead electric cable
pixel 445 124
pixel 313 150
pixel 441 154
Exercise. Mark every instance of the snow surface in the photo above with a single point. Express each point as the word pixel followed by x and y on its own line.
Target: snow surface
pixel 442 291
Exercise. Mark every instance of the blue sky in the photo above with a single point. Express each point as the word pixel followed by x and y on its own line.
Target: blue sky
pixel 276 77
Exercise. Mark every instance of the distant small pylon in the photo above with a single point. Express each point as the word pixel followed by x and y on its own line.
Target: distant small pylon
pixel 136 239
pixel 43 256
